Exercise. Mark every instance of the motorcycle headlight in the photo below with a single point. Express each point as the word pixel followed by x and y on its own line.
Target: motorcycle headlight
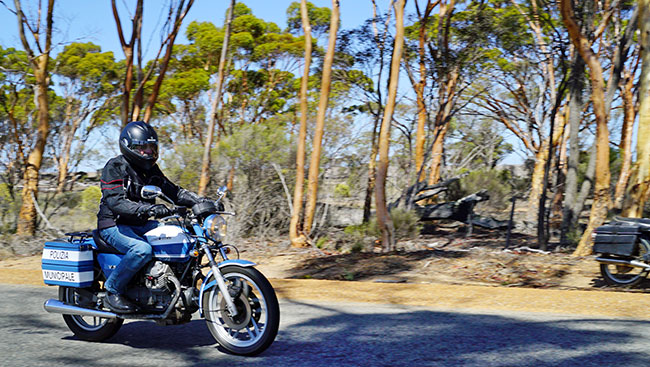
pixel 215 226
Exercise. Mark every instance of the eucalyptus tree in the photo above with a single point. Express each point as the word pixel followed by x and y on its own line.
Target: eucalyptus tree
pixel 368 46
pixel 88 79
pixel 215 104
pixel 383 217
pixel 298 239
pixel 37 43
pixel 17 117
pixel 602 197
pixel 135 73
pixel 521 89
pixel 314 164
pixel 639 188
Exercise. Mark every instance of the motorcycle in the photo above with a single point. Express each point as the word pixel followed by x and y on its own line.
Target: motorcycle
pixel 238 303
pixel 623 248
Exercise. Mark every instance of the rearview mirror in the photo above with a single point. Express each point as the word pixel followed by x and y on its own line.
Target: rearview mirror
pixel 221 192
pixel 150 192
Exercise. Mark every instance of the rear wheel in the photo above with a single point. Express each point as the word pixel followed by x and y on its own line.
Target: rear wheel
pixel 255 326
pixel 87 327
pixel 626 275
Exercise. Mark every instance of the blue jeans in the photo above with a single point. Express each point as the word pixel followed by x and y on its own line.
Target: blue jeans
pixel 130 241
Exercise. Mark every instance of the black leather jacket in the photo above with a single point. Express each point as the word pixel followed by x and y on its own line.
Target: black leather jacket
pixel 121 202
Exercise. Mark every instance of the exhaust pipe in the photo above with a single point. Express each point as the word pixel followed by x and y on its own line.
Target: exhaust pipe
pixel 634 263
pixel 56 306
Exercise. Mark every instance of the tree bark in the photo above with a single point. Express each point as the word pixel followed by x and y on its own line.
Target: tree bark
pixel 420 137
pixel 637 192
pixel 205 166
pixel 298 239
pixel 383 216
pixel 181 12
pixel 629 115
pixel 40 65
pixel 372 161
pixel 314 165
pixel 128 49
pixel 602 199
pixel 447 80
pixel 571 211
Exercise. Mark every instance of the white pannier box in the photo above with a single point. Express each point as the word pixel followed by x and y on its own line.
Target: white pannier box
pixel 68 263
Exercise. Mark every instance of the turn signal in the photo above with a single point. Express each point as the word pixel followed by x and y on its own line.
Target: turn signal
pixel 194 253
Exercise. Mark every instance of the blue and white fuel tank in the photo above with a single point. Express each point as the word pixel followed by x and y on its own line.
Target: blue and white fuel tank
pixel 169 243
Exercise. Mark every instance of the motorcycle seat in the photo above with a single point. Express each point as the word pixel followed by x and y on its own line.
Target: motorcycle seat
pixel 642 221
pixel 102 246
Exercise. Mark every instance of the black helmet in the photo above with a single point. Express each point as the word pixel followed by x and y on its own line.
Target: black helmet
pixel 139 144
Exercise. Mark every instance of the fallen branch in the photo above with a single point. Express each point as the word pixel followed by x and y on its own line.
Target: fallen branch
pixel 42 215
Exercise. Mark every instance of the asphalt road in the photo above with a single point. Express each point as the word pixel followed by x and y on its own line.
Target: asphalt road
pixel 332 334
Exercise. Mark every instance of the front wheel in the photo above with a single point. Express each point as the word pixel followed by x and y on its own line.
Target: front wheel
pixel 88 328
pixel 255 326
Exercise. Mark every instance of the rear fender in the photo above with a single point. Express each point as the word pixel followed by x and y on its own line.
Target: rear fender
pixel 209 281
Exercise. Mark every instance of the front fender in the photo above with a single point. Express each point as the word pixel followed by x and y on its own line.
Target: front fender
pixel 211 283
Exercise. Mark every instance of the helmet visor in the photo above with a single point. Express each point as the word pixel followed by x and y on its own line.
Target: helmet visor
pixel 145 149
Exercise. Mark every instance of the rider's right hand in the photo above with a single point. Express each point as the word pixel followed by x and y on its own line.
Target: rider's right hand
pixel 159 211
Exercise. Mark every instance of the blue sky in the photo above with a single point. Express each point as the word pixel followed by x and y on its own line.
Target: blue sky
pixel 92 20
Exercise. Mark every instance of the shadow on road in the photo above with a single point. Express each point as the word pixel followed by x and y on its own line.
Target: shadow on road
pixel 411 338
pixel 333 334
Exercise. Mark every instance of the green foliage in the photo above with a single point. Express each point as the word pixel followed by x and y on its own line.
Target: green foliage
pixel 255 147
pixel 90 198
pixel 85 63
pixel 8 207
pixel 321 242
pixel 405 223
pixel 319 18
pixel 342 190
pixel 182 166
pixel 186 85
pixel 496 182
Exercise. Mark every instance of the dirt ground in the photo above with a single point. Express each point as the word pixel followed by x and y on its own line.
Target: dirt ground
pixel 445 270
pixel 443 257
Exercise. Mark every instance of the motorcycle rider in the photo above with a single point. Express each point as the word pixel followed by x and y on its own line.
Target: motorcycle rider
pixel 123 216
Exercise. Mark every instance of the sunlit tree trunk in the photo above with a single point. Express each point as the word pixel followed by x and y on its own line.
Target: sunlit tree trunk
pixel 447 80
pixel 314 164
pixel 205 165
pixel 420 137
pixel 383 217
pixel 181 12
pixel 640 181
pixel 625 146
pixel 40 65
pixel 601 199
pixel 372 161
pixel 64 160
pixel 128 48
pixel 297 239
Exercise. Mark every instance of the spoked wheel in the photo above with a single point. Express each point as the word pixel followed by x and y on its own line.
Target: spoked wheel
pixel 87 327
pixel 255 326
pixel 624 275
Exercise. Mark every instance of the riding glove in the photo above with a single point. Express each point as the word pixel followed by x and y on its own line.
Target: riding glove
pixel 159 211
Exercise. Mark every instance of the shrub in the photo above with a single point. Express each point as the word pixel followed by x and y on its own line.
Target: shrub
pixel 405 223
pixel 496 182
pixel 342 190
pixel 90 198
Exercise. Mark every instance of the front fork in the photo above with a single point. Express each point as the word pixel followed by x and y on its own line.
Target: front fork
pixel 221 283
